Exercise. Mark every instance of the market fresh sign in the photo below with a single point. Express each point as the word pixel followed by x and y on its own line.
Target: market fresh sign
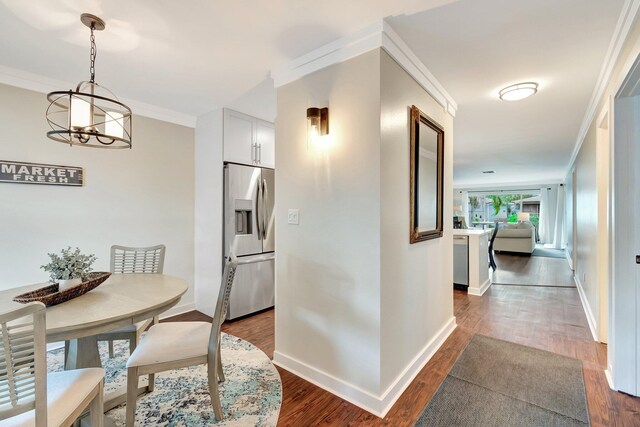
pixel 35 173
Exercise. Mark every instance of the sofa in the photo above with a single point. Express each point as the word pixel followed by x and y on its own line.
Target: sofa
pixel 515 237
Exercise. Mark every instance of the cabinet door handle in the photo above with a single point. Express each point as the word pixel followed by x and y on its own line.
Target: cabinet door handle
pixel 259 153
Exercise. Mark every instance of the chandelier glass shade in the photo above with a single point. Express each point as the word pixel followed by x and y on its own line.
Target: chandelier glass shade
pixel 90 115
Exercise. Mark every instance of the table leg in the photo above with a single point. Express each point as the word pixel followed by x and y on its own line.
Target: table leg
pixel 83 353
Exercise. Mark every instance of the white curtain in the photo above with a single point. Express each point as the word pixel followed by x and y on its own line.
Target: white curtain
pixel 558 233
pixel 545 229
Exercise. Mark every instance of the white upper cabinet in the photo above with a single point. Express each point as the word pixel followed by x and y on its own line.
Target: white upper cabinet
pixel 266 140
pixel 248 140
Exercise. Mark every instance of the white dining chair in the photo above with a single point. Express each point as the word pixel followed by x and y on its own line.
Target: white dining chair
pixel 174 345
pixel 125 260
pixel 28 395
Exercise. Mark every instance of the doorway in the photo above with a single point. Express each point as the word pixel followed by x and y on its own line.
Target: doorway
pixel 624 336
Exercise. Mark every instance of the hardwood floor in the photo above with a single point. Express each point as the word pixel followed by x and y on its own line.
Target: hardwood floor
pixel 532 270
pixel 543 317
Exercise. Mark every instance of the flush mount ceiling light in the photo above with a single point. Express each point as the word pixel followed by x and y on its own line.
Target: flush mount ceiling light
pixel 488 171
pixel 518 91
pixel 90 116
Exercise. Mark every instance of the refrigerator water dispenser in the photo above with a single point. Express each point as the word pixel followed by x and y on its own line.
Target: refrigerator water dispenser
pixel 244 218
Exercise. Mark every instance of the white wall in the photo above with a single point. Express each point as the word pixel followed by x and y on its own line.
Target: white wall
pixel 586 235
pixel 358 309
pixel 624 299
pixel 138 197
pixel 416 280
pixel 327 268
pixel 208 209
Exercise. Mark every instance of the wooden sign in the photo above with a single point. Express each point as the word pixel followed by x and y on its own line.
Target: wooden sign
pixel 36 173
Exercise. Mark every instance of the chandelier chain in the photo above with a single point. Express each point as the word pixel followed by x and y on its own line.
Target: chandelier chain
pixel 92 56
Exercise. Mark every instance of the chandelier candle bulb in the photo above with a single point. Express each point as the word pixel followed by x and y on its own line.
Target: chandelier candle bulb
pixel 80 113
pixel 114 124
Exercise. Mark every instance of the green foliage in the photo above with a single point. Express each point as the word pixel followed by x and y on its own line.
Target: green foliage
pixel 513 218
pixel 496 202
pixel 69 265
pixel 474 202
pixel 534 219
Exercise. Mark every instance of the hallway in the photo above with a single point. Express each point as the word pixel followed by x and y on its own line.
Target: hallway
pixel 548 318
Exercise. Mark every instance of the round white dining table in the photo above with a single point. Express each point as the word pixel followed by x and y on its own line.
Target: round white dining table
pixel 122 300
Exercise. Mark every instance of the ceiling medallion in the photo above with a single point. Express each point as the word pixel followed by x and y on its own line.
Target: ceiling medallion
pixel 518 91
pixel 91 115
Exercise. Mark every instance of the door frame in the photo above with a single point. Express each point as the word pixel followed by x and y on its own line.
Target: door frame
pixel 623 362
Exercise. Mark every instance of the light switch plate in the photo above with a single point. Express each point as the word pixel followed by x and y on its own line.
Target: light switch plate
pixel 293 217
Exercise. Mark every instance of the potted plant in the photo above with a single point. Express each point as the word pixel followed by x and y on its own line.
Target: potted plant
pixel 69 268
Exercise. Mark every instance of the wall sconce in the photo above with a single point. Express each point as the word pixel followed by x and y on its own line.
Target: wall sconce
pixel 523 216
pixel 317 123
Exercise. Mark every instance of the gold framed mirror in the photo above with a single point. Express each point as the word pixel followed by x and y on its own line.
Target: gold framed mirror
pixel 427 177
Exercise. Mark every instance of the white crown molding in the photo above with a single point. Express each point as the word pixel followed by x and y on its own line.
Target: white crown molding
pixel 625 21
pixel 378 35
pixel 502 186
pixel 38 83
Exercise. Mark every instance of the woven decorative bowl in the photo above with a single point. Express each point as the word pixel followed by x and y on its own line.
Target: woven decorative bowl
pixel 49 295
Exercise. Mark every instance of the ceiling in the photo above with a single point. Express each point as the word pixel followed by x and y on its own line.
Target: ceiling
pixel 194 59
pixel 475 48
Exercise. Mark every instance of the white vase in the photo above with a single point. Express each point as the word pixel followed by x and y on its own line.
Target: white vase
pixel 66 284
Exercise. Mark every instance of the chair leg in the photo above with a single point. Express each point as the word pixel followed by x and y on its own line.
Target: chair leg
pixel 96 408
pixel 133 343
pixel 220 371
pixel 132 395
pixel 110 349
pixel 66 351
pixel 213 390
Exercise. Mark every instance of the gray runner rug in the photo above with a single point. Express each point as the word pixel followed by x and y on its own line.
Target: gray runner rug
pixel 498 383
pixel 549 253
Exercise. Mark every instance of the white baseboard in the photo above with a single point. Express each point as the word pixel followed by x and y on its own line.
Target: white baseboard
pixel 479 291
pixel 607 375
pixel 591 319
pixel 569 259
pixel 178 309
pixel 395 390
pixel 377 405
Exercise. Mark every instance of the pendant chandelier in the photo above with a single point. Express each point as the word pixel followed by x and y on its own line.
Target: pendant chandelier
pixel 91 115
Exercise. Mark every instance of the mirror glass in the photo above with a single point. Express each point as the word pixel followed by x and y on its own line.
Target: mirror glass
pixel 427 172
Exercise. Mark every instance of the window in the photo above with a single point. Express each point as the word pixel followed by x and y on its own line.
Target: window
pixel 504 205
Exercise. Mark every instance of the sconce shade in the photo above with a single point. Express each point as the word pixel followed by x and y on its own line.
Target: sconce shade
pixel 523 216
pixel 318 119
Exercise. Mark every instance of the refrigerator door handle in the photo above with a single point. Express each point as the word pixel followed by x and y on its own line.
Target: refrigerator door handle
pixel 259 209
pixel 265 194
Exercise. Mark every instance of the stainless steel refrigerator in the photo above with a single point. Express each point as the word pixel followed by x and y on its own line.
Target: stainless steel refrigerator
pixel 249 235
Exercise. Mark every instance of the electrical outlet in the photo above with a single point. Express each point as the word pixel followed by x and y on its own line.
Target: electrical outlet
pixel 293 217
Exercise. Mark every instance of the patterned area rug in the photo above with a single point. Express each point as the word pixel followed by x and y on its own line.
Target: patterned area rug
pixel 250 396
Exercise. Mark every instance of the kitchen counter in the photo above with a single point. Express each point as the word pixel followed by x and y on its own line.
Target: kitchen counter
pixel 478 259
pixel 458 232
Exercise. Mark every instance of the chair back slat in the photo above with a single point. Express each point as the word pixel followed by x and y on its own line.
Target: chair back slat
pixel 222 304
pixel 23 362
pixel 137 260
